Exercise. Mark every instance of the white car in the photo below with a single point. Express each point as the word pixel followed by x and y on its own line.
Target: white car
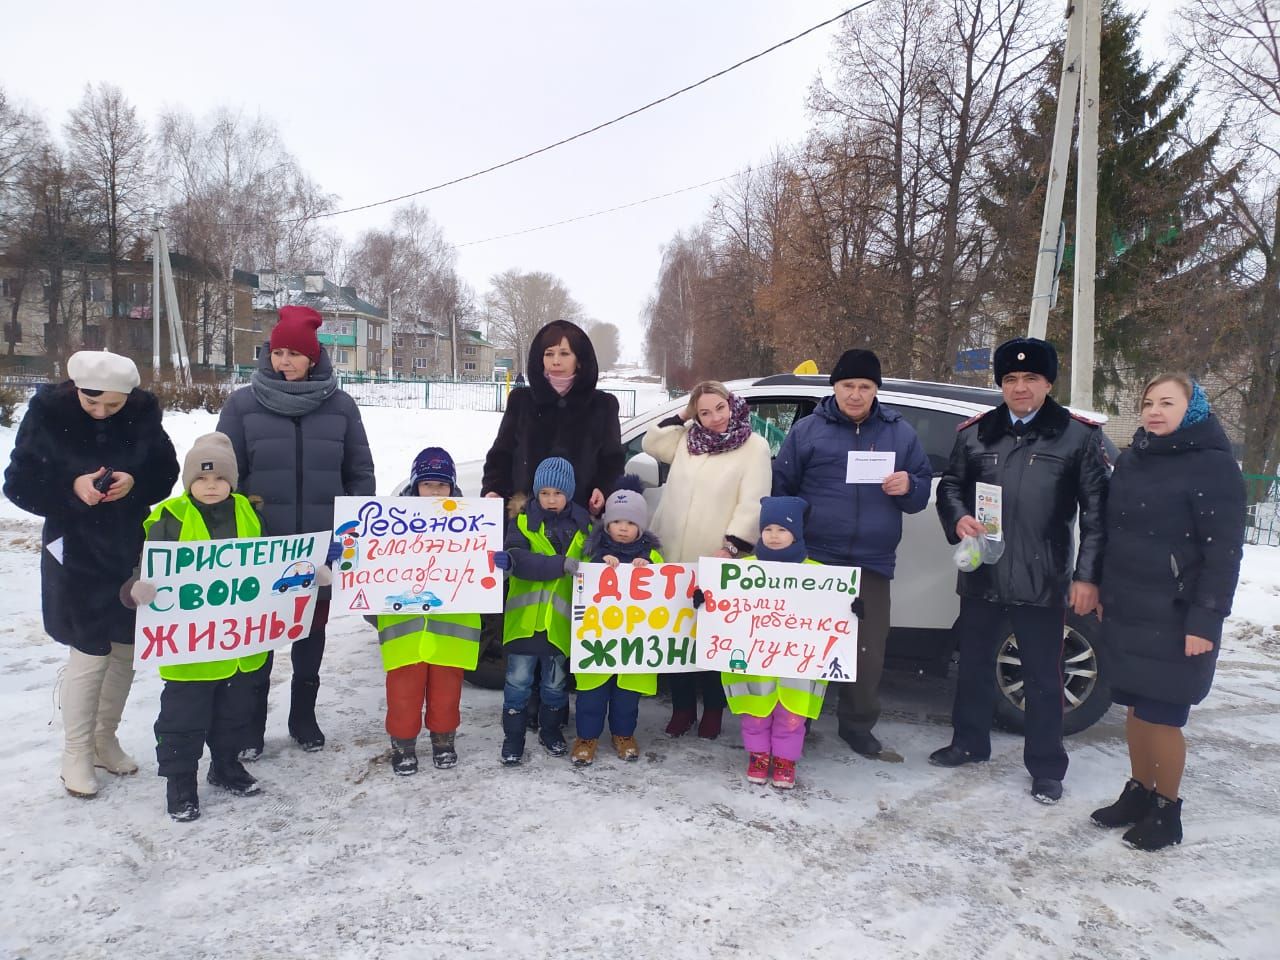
pixel 925 603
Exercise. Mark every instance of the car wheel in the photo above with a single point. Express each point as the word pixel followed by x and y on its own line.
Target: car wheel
pixel 396 606
pixel 283 588
pixel 1086 688
pixel 306 583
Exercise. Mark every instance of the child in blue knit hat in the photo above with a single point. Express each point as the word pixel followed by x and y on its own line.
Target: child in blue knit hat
pixel 544 544
pixel 774 709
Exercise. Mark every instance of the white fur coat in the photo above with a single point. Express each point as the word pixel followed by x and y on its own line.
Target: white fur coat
pixel 707 496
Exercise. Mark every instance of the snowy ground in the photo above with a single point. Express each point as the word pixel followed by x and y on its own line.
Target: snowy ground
pixel 673 857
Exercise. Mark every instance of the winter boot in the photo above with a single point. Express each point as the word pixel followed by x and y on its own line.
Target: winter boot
pixel 549 733
pixel 81 691
pixel 258 723
pixel 443 754
pixel 302 715
pixel 681 722
pixel 583 753
pixel 784 773
pixel 107 752
pixel 1162 826
pixel 562 716
pixel 229 774
pixel 627 748
pixel 758 767
pixel 1135 800
pixel 404 757
pixel 182 799
pixel 709 725
pixel 513 727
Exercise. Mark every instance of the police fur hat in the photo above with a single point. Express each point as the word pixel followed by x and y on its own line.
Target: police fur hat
pixel 1026 355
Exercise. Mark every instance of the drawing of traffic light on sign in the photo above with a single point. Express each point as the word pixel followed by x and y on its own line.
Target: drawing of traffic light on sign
pixel 347 538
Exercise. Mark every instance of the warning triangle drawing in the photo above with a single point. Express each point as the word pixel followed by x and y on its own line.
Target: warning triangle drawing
pixel 359 602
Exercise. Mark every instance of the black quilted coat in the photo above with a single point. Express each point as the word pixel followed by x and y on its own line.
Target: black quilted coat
pixel 1175 525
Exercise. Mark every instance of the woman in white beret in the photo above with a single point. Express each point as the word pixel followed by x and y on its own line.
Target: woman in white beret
pixel 91 457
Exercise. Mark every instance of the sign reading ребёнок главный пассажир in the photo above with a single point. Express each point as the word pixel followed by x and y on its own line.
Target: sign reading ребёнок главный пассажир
pixel 416 555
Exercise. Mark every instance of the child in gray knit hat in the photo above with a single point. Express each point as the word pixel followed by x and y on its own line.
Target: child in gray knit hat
pixel 210 702
pixel 621 536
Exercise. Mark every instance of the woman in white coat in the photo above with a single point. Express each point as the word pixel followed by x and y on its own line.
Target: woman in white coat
pixel 710 508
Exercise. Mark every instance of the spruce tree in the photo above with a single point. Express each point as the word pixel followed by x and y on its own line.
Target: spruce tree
pixel 1157 269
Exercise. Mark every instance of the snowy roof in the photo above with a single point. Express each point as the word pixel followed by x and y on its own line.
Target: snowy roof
pixel 290 291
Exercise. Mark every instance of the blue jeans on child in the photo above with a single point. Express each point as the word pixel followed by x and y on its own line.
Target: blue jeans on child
pixel 520 667
pixel 622 706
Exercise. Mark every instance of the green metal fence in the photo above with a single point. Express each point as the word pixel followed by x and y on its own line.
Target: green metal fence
pixel 1263 525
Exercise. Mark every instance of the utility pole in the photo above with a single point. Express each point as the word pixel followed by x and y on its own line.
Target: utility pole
pixel 155 297
pixel 1078 85
pixel 162 274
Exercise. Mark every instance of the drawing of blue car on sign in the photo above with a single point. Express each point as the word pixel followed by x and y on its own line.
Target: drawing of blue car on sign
pixel 426 600
pixel 300 574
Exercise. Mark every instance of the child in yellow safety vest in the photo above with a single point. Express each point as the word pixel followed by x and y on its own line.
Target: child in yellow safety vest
pixel 212 701
pixel 544 544
pixel 425 655
pixel 774 710
pixel 620 537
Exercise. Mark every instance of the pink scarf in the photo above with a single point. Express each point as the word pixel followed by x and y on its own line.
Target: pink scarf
pixel 561 385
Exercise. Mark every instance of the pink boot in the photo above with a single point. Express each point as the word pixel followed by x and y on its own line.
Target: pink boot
pixel 784 773
pixel 758 767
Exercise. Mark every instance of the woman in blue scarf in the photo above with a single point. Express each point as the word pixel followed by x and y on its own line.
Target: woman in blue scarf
pixel 1175 526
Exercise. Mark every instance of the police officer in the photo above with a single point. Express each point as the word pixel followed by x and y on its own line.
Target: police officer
pixel 1042 462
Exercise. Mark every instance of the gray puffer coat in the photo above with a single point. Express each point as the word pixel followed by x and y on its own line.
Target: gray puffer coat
pixel 298 464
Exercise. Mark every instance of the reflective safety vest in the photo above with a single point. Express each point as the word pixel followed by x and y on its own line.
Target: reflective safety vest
pixel 756 696
pixel 443 639
pixel 535 606
pixel 642 683
pixel 248 524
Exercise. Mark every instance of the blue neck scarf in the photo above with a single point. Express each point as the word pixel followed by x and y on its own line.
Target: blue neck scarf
pixel 795 553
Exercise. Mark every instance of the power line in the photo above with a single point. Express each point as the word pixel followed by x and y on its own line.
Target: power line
pixel 584 133
pixel 621 206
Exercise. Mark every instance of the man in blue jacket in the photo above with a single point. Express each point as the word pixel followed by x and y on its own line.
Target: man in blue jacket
pixel 857 524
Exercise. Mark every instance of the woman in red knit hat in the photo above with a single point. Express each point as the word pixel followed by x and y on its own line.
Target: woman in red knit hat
pixel 300 443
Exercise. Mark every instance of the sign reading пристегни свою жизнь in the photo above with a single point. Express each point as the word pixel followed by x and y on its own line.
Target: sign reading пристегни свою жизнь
pixel 220 599
pixel 778 619
pixel 416 555
pixel 634 619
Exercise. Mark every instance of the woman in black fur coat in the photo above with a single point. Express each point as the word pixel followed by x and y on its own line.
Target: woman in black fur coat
pixel 91 457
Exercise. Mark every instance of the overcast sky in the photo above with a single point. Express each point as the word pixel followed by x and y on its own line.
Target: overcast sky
pixel 378 99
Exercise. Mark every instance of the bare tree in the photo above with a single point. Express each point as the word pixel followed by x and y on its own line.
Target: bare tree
pixel 109 148
pixel 671 315
pixel 53 235
pixel 237 198
pixel 411 258
pixel 519 304
pixel 22 137
pixel 604 338
pixel 1234 50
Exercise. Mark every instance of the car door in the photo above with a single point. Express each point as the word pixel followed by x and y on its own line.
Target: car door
pixel 924 583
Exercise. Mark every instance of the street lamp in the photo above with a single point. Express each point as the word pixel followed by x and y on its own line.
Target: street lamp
pixel 391 357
